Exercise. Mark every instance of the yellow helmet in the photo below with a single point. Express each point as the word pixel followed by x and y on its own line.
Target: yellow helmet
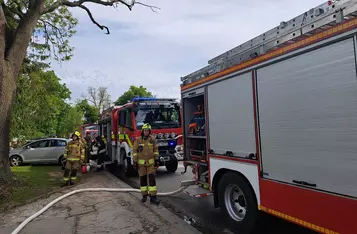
pixel 77 134
pixel 146 126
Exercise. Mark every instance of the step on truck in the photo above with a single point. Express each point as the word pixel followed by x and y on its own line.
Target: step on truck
pixel 120 125
pixel 271 125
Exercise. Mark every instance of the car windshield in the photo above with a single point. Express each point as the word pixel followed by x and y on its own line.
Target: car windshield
pixel 158 116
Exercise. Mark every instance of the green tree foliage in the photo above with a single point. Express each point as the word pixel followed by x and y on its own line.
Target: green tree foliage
pixel 133 91
pixel 40 107
pixel 90 113
pixel 69 120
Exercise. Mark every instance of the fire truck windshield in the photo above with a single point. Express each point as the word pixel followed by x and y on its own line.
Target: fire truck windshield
pixel 158 116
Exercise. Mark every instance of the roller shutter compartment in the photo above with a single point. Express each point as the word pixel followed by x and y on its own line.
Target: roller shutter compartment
pixel 308 119
pixel 231 116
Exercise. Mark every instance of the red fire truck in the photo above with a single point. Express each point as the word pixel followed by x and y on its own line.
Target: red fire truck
pixel 277 126
pixel 91 128
pixel 120 125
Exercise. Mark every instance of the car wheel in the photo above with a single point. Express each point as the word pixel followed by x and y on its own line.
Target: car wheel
pixel 16 160
pixel 237 201
pixel 172 165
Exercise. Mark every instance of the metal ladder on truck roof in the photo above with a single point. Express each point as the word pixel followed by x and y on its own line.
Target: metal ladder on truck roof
pixel 313 21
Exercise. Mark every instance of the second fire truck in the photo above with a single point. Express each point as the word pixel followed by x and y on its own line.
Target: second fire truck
pixel 120 125
pixel 271 125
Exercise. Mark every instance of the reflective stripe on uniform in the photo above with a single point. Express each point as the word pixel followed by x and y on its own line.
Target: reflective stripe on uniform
pixel 65 155
pixel 73 178
pixel 156 153
pixel 143 189
pixel 141 161
pixel 152 188
pixel 73 159
pixel 151 161
pixel 65 179
pixel 135 154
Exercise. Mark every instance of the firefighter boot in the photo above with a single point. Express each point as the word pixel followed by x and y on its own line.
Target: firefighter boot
pixel 72 182
pixel 65 183
pixel 145 198
pixel 153 200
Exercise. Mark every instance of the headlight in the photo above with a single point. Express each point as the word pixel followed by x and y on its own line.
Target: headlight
pixel 173 135
pixel 160 135
pixel 167 135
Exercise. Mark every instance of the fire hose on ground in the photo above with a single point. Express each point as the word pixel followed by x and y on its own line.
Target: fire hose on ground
pixel 184 185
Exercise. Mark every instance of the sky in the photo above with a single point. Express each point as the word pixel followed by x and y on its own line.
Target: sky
pixel 156 49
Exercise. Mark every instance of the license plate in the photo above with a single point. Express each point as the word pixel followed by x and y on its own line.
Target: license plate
pixel 162 144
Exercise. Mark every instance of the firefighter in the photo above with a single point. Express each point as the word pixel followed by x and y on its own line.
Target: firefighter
pixel 102 149
pixel 74 154
pixel 145 159
pixel 104 139
pixel 88 145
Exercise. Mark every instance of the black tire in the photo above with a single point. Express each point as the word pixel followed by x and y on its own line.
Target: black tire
pixel 16 160
pixel 128 169
pixel 246 217
pixel 172 165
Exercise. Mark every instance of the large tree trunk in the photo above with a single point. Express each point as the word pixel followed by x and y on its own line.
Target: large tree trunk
pixel 11 58
pixel 5 105
pixel 7 91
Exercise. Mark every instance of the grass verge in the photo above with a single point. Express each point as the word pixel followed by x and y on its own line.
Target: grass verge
pixel 30 182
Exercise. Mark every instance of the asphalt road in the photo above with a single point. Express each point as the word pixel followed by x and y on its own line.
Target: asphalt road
pixel 200 211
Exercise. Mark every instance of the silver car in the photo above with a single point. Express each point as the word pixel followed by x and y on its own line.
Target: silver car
pixel 48 150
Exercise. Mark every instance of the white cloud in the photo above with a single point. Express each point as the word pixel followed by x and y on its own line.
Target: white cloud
pixel 155 50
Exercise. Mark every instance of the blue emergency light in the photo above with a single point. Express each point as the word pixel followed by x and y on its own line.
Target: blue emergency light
pixel 143 99
pixel 172 143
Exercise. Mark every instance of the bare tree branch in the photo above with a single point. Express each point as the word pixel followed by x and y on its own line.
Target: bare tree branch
pixel 80 3
pixel 93 20
pixel 92 96
pixel 59 3
pixel 153 8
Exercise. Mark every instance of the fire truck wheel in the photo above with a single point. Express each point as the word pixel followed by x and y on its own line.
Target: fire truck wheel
pixel 237 201
pixel 172 166
pixel 127 167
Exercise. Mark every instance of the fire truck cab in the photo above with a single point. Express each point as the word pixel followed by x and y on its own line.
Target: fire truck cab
pixel 88 128
pixel 120 125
